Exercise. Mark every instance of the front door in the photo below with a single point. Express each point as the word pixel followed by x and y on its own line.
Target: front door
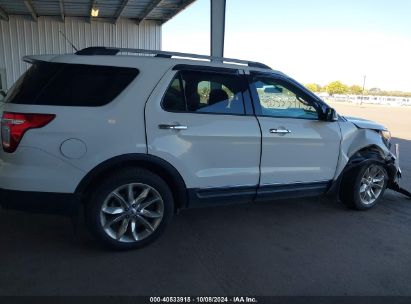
pixel 297 147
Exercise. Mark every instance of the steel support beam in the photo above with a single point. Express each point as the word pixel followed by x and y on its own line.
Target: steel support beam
pixel 183 5
pixel 120 10
pixel 3 14
pixel 217 27
pixel 61 2
pixel 149 9
pixel 31 9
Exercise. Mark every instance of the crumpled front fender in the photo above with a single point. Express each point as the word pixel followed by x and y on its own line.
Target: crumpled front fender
pixel 361 146
pixel 354 140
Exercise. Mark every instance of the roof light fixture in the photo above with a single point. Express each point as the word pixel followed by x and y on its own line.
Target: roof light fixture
pixel 94 12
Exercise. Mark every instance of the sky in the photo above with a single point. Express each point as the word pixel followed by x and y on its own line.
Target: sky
pixel 316 41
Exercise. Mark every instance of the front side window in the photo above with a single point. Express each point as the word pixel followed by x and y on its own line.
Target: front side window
pixel 205 92
pixel 278 98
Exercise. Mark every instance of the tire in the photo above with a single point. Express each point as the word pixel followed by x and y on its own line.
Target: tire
pixel 130 209
pixel 360 190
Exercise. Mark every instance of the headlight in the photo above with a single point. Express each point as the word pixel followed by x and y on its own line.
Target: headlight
pixel 386 135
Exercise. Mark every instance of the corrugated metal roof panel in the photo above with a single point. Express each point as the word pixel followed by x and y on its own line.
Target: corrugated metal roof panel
pixel 14 7
pixel 133 9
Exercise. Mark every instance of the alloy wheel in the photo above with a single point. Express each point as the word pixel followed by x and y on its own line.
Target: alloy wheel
pixel 131 212
pixel 372 184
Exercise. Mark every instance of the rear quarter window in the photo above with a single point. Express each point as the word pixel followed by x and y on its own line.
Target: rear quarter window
pixel 61 84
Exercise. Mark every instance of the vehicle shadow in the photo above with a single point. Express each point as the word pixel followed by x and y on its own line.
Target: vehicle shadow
pixel 39 228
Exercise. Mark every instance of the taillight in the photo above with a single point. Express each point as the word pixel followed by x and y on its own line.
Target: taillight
pixel 14 125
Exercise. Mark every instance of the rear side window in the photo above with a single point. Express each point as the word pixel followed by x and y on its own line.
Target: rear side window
pixel 206 92
pixel 61 84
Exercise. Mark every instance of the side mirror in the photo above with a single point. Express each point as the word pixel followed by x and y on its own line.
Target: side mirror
pixel 331 114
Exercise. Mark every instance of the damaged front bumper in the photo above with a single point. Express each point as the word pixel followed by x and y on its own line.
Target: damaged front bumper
pixel 393 165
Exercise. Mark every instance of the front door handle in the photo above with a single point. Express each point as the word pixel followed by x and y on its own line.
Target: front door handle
pixel 280 131
pixel 172 127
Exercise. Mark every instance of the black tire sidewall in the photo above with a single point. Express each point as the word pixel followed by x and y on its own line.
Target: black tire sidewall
pixel 93 208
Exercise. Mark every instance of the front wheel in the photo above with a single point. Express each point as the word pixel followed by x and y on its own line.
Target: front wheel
pixel 362 188
pixel 130 209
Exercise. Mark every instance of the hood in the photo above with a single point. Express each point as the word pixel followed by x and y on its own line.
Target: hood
pixel 365 124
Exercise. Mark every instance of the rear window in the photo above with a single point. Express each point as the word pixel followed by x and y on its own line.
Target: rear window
pixel 61 84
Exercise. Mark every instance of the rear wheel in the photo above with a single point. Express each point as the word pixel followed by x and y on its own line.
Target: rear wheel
pixel 362 188
pixel 130 210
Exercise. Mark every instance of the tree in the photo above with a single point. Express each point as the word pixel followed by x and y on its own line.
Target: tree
pixel 375 91
pixel 313 87
pixel 336 87
pixel 355 89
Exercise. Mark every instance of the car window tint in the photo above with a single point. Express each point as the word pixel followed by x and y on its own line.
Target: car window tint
pixel 205 92
pixel 63 84
pixel 279 99
pixel 174 98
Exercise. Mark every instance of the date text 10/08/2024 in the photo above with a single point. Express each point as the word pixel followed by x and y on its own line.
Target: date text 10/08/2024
pixel 203 300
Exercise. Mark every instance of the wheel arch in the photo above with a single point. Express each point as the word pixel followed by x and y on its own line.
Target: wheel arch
pixel 362 155
pixel 149 162
pixel 371 151
pixel 376 154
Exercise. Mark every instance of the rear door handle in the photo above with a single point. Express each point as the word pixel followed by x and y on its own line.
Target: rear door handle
pixel 172 127
pixel 280 131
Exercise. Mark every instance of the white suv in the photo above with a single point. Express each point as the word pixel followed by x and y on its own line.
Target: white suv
pixel 134 138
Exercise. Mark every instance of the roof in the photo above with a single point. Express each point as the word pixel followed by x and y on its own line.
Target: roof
pixel 112 10
pixel 164 54
pixel 157 59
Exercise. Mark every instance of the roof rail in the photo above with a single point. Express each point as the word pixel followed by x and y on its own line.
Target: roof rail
pixel 97 50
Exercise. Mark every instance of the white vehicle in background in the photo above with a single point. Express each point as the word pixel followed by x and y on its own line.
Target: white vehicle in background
pixel 131 139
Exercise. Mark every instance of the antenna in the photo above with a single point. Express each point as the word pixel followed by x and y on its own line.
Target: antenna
pixel 72 45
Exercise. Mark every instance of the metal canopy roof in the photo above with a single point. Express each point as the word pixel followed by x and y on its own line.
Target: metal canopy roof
pixel 161 10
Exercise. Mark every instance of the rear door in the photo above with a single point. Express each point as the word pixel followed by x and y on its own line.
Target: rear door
pixel 298 148
pixel 200 120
